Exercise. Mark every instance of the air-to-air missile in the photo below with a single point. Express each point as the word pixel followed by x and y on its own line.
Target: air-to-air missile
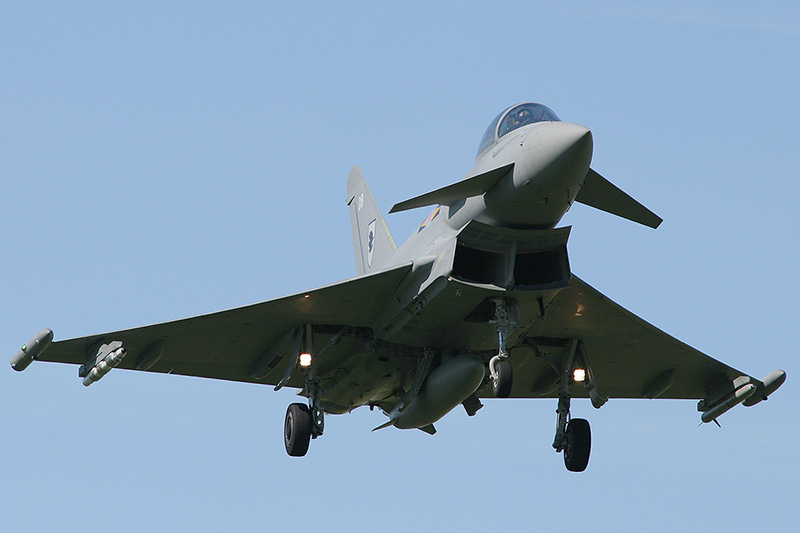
pixel 746 391
pixel 108 356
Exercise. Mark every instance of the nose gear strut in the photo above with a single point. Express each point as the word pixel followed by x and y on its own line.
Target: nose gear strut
pixel 500 370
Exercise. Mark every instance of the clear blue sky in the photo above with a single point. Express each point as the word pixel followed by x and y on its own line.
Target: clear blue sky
pixel 166 160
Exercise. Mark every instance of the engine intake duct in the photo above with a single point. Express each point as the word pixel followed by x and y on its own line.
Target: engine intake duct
pixel 538 270
pixel 521 260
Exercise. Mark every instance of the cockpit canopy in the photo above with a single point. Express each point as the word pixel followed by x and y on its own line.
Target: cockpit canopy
pixel 515 117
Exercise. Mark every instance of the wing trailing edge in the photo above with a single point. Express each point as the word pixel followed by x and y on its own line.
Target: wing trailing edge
pixel 601 194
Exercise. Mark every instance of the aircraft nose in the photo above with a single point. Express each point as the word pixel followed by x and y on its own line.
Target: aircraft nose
pixel 568 136
pixel 557 140
pixel 558 153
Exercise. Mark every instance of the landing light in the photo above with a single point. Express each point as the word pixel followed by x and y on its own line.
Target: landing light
pixel 579 375
pixel 305 360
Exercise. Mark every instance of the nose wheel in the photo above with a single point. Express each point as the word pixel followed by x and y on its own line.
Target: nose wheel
pixel 502 376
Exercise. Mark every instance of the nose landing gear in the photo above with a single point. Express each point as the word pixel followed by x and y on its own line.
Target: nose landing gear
pixel 502 376
pixel 500 370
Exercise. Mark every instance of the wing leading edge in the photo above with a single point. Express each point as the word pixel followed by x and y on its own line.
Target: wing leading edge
pixel 230 344
pixel 625 356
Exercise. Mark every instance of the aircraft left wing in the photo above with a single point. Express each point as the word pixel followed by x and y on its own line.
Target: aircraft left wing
pixel 247 344
pixel 624 356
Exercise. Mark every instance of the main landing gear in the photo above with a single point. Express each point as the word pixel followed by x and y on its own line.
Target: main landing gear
pixel 577 445
pixel 573 435
pixel 304 422
pixel 297 429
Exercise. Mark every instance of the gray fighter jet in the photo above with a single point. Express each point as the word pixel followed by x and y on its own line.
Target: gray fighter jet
pixel 481 292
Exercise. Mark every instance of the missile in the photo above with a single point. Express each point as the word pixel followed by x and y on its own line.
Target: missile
pixel 102 368
pixel 445 388
pixel 732 400
pixel 31 350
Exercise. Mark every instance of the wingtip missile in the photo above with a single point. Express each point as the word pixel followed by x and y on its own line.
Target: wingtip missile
pixel 731 401
pixel 31 350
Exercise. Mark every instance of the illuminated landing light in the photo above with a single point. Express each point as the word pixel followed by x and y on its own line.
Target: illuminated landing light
pixel 579 375
pixel 305 360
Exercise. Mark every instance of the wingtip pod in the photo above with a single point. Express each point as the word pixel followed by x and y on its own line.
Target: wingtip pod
pixel 724 395
pixel 31 350
pixel 768 385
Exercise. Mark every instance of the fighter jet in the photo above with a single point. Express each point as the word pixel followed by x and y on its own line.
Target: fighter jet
pixel 478 302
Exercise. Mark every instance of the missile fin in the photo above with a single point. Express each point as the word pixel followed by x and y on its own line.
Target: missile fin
pixel 386 425
pixel 472 404
pixel 429 429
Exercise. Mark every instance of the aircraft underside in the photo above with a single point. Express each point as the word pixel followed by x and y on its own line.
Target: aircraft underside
pixel 479 302
pixel 438 360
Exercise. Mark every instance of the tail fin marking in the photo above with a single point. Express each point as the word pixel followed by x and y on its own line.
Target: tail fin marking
pixel 372 241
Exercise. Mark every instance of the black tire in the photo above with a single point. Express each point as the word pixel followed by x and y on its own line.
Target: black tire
pixel 505 378
pixel 297 429
pixel 578 446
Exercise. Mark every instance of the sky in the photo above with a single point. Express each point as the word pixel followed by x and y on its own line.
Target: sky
pixel 166 159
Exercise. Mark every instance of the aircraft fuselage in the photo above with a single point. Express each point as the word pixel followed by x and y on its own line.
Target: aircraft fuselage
pixel 550 161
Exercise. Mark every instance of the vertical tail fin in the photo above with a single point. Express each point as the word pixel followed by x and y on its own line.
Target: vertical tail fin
pixel 372 240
